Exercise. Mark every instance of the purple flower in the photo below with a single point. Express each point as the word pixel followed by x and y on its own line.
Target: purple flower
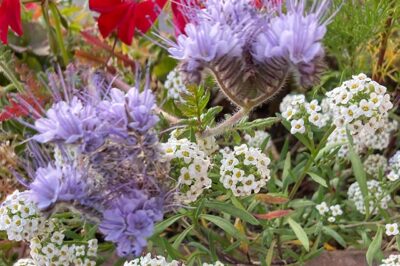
pixel 296 35
pixel 140 108
pixel 129 221
pixel 56 184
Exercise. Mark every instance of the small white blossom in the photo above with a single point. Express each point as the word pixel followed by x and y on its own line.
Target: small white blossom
pixel 297 126
pixel 149 260
pixel 392 229
pixel 322 208
pixel 174 85
pixel 392 260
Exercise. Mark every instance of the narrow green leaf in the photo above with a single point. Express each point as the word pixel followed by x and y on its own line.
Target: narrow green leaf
pixel 286 167
pixel 332 233
pixel 181 237
pixel 258 123
pixel 359 173
pixel 234 211
pixel 318 179
pixel 375 246
pixel 160 227
pixel 226 226
pixel 300 233
pixel 270 253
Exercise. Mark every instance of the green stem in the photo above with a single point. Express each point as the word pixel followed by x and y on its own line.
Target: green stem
pixel 11 77
pixel 59 36
pixel 230 122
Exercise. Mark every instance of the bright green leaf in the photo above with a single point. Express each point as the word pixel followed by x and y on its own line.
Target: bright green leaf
pixel 300 233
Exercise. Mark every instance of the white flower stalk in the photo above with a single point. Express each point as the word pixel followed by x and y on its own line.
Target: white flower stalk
pixel 20 217
pixel 51 249
pixel 394 167
pixel 149 260
pixel 189 165
pixel 375 163
pixel 175 85
pixel 257 140
pixel 244 170
pixel 302 115
pixel 331 213
pixel 378 197
pixel 360 104
pixel 392 260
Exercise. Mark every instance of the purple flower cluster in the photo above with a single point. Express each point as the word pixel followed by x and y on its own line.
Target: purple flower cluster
pixel 55 184
pixel 252 50
pixel 89 123
pixel 130 220
pixel 105 162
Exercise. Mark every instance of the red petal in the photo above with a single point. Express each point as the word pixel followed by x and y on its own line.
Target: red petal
pixel 126 30
pixel 147 12
pixel 13 8
pixel 179 19
pixel 102 6
pixel 3 28
pixel 109 21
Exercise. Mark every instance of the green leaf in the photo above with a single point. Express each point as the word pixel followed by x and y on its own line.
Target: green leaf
pixel 332 233
pixel 227 208
pixel 160 227
pixel 300 233
pixel 181 237
pixel 375 246
pixel 258 123
pixel 226 226
pixel 359 173
pixel 318 179
pixel 286 170
pixel 210 115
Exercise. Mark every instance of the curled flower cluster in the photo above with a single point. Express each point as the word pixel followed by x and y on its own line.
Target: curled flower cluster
pixel 52 250
pixel 359 103
pixel 392 229
pixel 149 260
pixel 392 260
pixel 234 38
pixel 189 166
pixel 244 170
pixel 106 161
pixel 257 140
pixel 175 85
pixel 302 114
pixel 20 217
pixel 377 197
pixel 331 212
pixel 394 167
pixel 375 163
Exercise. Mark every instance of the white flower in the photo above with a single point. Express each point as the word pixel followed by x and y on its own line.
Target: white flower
pixel 331 219
pixel 378 197
pixel 149 260
pixel 289 113
pixel 297 126
pixel 322 208
pixel 366 107
pixel 336 210
pixel 392 229
pixel 175 85
pixel 313 107
pixel 57 238
pixel 258 139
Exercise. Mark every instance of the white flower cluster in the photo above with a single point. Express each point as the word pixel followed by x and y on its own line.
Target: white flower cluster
pixel 244 170
pixel 208 145
pixel 392 260
pixel 394 167
pixel 392 229
pixel 331 212
pixel 360 104
pixel 257 140
pixel 174 85
pixel 20 217
pixel 377 197
pixel 189 165
pixel 302 114
pixel 377 140
pixel 52 250
pixel 375 163
pixel 148 260
pixel 25 262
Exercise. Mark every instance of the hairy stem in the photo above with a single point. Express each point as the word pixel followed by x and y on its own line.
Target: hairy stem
pixel 229 123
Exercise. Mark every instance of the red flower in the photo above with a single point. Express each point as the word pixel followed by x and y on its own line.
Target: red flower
pixel 10 16
pixel 16 109
pixel 126 16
